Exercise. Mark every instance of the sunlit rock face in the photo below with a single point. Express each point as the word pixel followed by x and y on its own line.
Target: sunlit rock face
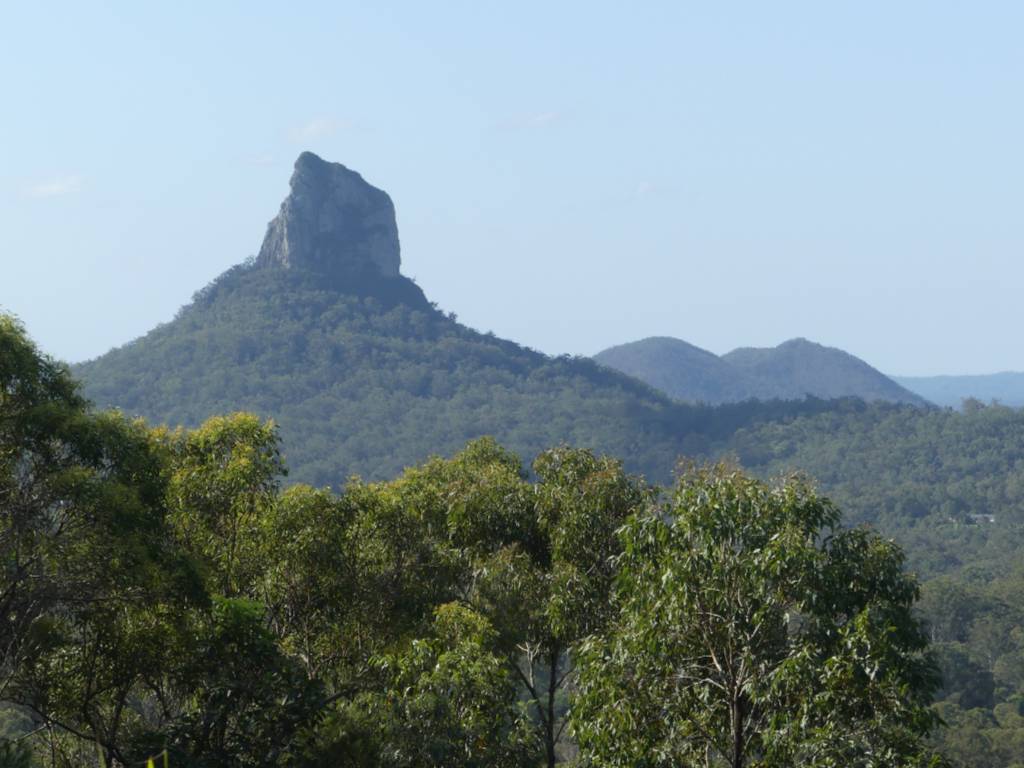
pixel 332 222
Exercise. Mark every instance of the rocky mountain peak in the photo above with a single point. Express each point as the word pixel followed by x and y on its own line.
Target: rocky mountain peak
pixel 332 222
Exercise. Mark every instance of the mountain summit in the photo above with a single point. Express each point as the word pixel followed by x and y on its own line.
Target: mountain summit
pixel 361 371
pixel 790 371
pixel 333 222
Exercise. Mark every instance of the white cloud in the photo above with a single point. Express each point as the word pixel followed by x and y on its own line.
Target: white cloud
pixel 318 128
pixel 64 185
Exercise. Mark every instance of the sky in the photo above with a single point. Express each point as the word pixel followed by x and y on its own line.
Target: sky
pixel 568 175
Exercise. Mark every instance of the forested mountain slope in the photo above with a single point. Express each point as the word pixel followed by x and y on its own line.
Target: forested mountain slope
pixel 683 371
pixel 800 367
pixel 791 371
pixel 363 374
pixel 362 384
pixel 949 487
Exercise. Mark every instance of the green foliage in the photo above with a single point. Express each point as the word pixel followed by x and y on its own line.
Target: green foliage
pixel 372 379
pixel 15 755
pixel 975 625
pixel 949 487
pixel 309 581
pixel 449 700
pixel 224 478
pixel 246 700
pixel 582 500
pixel 84 546
pixel 750 632
pixel 533 558
pixel 934 479
pixel 163 591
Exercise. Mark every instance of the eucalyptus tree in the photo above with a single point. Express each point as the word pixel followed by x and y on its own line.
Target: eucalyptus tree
pixel 535 557
pixel 85 549
pixel 446 699
pixel 580 500
pixel 749 630
pixel 224 478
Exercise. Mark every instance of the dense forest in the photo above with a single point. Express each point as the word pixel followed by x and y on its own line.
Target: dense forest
pixel 306 516
pixel 233 593
pixel 949 486
pixel 366 377
pixel 166 595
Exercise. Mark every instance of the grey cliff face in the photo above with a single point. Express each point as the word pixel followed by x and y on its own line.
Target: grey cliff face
pixel 332 221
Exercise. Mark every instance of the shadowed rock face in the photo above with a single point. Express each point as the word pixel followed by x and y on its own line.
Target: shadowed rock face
pixel 332 222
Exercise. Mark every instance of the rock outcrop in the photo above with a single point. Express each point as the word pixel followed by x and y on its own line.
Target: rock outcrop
pixel 332 222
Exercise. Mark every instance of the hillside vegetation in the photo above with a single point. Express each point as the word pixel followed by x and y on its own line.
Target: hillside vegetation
pixel 949 486
pixel 366 377
pixel 791 371
pixel 164 595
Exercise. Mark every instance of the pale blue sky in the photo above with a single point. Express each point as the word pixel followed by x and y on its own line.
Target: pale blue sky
pixel 569 175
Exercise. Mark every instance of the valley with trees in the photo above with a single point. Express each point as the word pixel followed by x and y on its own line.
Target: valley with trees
pixel 168 594
pixel 653 401
pixel 314 520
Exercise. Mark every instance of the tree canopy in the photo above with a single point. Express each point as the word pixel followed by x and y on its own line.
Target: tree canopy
pixel 165 593
pixel 748 631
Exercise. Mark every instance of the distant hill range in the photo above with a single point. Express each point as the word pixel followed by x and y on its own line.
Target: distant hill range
pixel 364 374
pixel 791 371
pixel 1006 388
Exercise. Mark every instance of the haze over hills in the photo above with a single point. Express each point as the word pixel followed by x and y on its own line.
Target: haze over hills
pixel 791 371
pixel 799 367
pixel 364 375
pixel 680 369
pixel 1006 387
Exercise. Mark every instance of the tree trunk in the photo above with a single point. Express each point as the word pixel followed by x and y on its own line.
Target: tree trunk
pixel 737 731
pixel 549 735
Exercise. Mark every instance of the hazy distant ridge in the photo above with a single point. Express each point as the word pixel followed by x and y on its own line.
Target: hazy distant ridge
pixel 1006 387
pixel 790 371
